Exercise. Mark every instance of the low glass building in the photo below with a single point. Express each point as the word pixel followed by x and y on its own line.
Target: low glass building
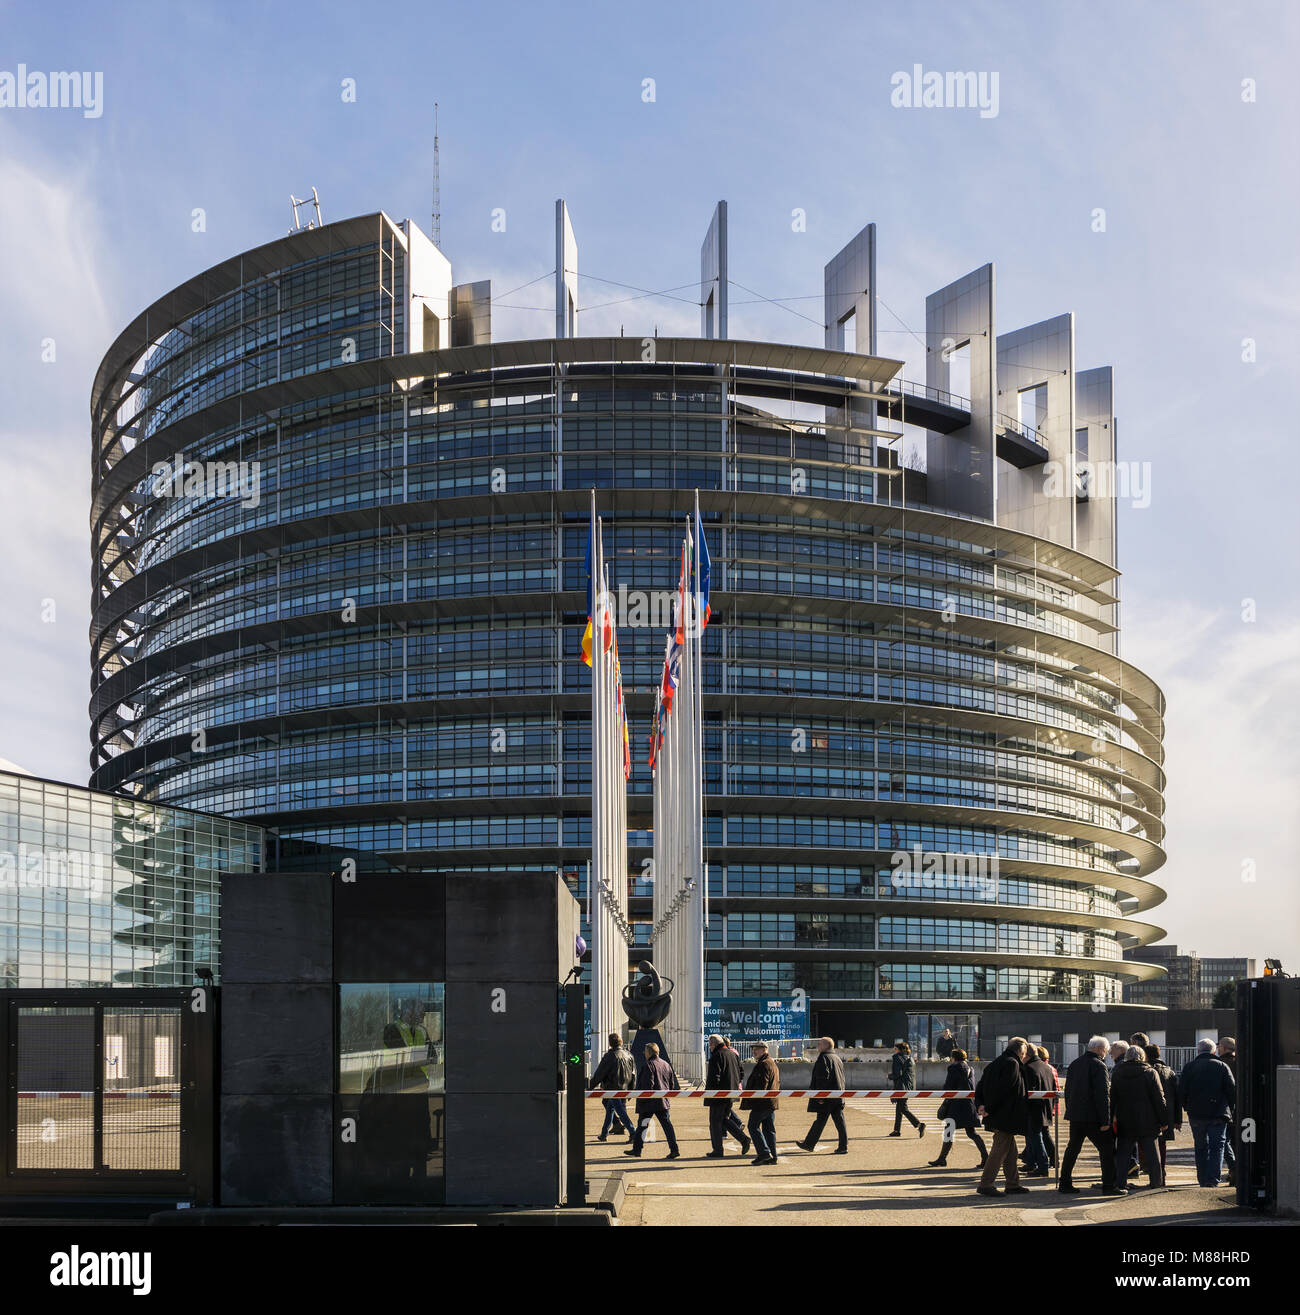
pixel 103 890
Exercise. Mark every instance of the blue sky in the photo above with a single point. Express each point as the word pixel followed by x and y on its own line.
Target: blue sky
pixel 1134 109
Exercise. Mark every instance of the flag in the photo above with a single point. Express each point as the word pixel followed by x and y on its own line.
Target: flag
pixel 681 601
pixel 591 585
pixel 606 612
pixel 672 672
pixel 704 566
pixel 622 711
pixel 654 728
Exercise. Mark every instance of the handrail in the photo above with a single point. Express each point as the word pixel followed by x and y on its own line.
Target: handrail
pixel 933 394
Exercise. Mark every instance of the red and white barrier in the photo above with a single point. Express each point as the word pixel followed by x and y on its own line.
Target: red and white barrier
pixel 799 1092
pixel 90 1095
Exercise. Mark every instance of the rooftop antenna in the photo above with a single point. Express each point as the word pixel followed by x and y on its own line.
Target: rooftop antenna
pixel 437 185
pixel 296 203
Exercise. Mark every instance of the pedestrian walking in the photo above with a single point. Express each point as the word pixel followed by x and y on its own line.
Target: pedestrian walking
pixel 1138 1111
pixel 615 1072
pixel 1228 1056
pixel 960 1111
pixel 902 1075
pixel 1046 1056
pixel 1038 1113
pixel 827 1075
pixel 723 1075
pixel 1087 1109
pixel 1207 1091
pixel 1169 1087
pixel 762 1109
pixel 1000 1102
pixel 654 1074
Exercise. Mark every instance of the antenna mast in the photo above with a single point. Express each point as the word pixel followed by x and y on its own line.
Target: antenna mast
pixel 437 185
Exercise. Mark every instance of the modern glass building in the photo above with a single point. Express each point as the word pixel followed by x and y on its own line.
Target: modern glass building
pixel 98 890
pixel 338 561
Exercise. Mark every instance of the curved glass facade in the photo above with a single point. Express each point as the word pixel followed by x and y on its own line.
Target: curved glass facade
pixel 928 776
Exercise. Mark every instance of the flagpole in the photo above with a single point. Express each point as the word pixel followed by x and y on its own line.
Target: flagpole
pixel 597 860
pixel 699 920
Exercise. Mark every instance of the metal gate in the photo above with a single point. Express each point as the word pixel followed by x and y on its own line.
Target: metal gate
pixel 108 1093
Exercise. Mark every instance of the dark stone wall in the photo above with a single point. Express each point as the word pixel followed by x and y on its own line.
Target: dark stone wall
pixel 276 1040
pixel 504 1104
pixel 500 942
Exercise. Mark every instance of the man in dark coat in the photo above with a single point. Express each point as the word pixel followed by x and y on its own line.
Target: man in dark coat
pixel 961 1110
pixel 1208 1092
pixel 764 1076
pixel 1228 1056
pixel 1169 1088
pixel 1087 1109
pixel 944 1044
pixel 1038 1114
pixel 723 1075
pixel 654 1074
pixel 615 1072
pixel 827 1075
pixel 1137 1104
pixel 1000 1101
pixel 902 1077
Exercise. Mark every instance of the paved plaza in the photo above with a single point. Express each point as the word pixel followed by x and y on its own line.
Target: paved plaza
pixel 883 1180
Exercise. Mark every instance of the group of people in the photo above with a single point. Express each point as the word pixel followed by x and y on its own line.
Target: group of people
pixel 618 1071
pixel 1119 1096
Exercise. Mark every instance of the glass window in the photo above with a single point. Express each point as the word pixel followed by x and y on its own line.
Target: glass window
pixel 391 1038
pixel 391 1067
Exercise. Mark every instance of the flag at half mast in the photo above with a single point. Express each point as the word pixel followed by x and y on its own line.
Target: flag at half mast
pixel 607 888
pixel 677 758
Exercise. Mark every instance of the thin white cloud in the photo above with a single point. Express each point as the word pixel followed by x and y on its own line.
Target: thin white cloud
pixel 1233 763
pixel 50 303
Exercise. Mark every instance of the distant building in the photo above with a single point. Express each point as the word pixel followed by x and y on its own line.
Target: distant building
pixel 1215 972
pixel 1179 988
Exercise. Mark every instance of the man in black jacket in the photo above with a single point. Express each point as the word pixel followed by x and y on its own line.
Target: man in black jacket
pixel 1038 1077
pixel 723 1075
pixel 1208 1092
pixel 1228 1056
pixel 827 1075
pixel 615 1072
pixel 1137 1103
pixel 1087 1109
pixel 653 1074
pixel 1000 1101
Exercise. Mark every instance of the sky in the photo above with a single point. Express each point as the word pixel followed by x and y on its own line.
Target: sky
pixel 1178 121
